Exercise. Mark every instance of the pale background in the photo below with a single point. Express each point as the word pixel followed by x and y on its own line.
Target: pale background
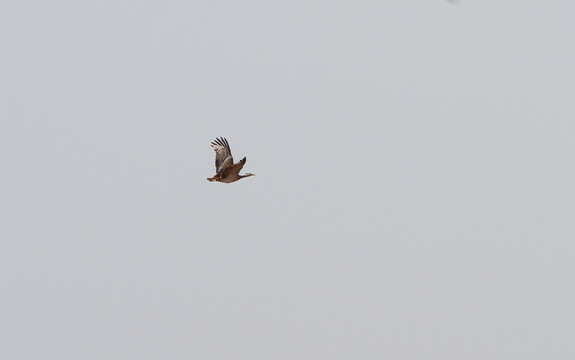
pixel 413 199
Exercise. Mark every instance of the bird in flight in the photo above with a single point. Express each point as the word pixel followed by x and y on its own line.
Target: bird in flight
pixel 226 170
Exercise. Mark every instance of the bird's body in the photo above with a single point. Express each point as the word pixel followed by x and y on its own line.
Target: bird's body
pixel 226 170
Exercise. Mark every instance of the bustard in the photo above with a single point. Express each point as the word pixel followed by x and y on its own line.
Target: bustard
pixel 226 170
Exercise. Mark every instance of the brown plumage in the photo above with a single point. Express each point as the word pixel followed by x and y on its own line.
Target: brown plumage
pixel 226 170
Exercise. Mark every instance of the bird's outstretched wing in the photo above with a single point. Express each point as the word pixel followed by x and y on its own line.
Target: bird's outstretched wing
pixel 236 168
pixel 224 157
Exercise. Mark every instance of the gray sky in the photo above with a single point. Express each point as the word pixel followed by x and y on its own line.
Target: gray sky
pixel 413 198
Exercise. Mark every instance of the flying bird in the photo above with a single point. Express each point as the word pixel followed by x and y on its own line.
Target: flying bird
pixel 226 170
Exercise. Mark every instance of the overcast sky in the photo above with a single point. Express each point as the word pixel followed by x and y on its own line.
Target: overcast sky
pixel 413 196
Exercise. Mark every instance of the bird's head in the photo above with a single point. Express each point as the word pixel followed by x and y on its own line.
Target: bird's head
pixel 246 175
